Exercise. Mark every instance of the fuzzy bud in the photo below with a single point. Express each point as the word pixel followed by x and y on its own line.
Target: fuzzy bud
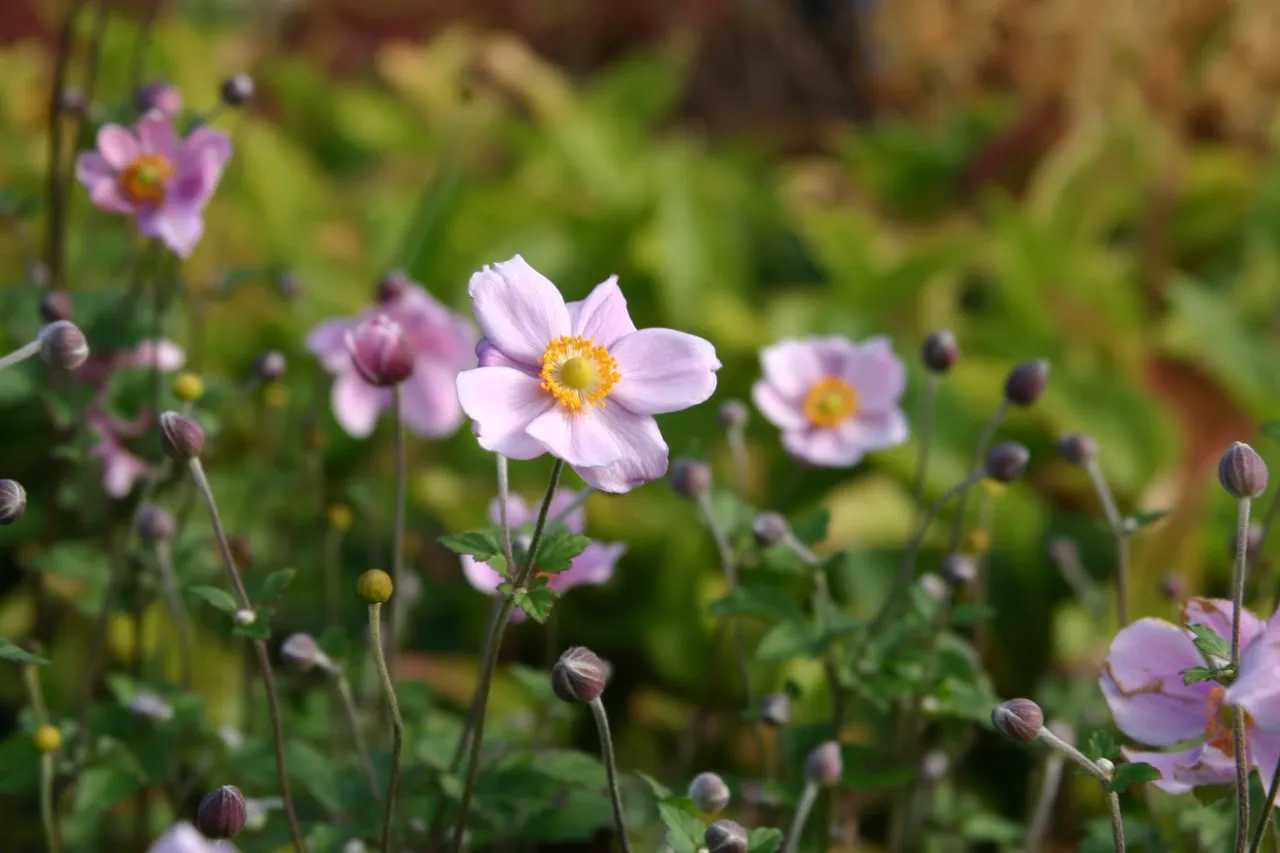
pixel 188 387
pixel 1078 448
pixel 150 706
pixel 1007 461
pixel 13 501
pixel 725 836
pixel 824 765
pixel 181 438
pixel 236 90
pixel 1107 766
pixel 156 524
pixel 48 738
pixel 775 709
pixel 1242 472
pixel 770 529
pixel 304 652
pixel 579 676
pixel 159 95
pixel 1018 719
pixel 56 305
pixel 733 414
pixel 221 813
pixel 1026 382
pixel 380 351
pixel 959 569
pixel 375 586
pixel 392 286
pixel 940 351
pixel 933 586
pixel 690 477
pixel 270 366
pixel 63 345
pixel 709 793
pixel 245 618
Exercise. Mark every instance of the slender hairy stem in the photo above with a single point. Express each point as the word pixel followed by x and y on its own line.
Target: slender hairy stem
pixel 1237 713
pixel 54 188
pixel 47 817
pixel 926 436
pixel 721 538
pixel 357 736
pixel 611 771
pixel 259 647
pixel 504 512
pixel 1119 533
pixel 397 726
pixel 21 354
pixel 395 608
pixel 822 603
pixel 807 799
pixel 975 465
pixel 1256 845
pixel 1117 820
pixel 177 610
pixel 1048 737
pixel 1044 803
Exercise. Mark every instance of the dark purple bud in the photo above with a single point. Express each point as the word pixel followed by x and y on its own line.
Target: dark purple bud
pixel 1026 382
pixel 709 793
pixel 1018 719
pixel 579 676
pixel 725 836
pixel 159 95
pixel 825 765
pixel 156 524
pixel 1007 461
pixel 733 414
pixel 1242 472
pixel 237 90
pixel 770 529
pixel 63 345
pixel 1077 448
pixel 380 351
pixel 392 286
pixel 1063 551
pixel 775 709
pixel 270 366
pixel 959 569
pixel 1173 588
pixel 13 501
pixel 56 305
pixel 690 477
pixel 221 813
pixel 181 438
pixel 940 351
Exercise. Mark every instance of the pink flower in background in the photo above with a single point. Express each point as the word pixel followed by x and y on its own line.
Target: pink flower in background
pixel 442 343
pixel 151 174
pixel 593 566
pixel 1142 682
pixel 577 380
pixel 182 837
pixel 120 467
pixel 834 400
pixel 165 355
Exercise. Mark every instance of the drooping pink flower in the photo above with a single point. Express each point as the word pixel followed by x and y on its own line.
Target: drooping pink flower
pixel 833 399
pixel 1143 684
pixel 150 174
pixel 443 344
pixel 577 380
pixel 593 566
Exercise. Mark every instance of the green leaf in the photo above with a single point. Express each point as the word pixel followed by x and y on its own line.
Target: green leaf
pixel 764 601
pixel 219 598
pixel 275 584
pixel 536 602
pixel 764 840
pixel 261 627
pixel 1132 774
pixel 100 787
pixel 557 550
pixel 811 529
pixel 1197 674
pixel 1102 745
pixel 1139 520
pixel 659 790
pixel 1209 643
pixel 967 614
pixel 785 640
pixel 484 544
pixel 685 832
pixel 10 652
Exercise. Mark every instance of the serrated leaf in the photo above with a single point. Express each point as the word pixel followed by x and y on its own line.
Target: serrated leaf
pixel 275 584
pixel 684 831
pixel 219 598
pixel 764 840
pixel 1132 774
pixel 557 550
pixel 537 602
pixel 10 652
pixel 484 544
pixel 1102 745
pixel 1197 674
pixel 1209 643
pixel 659 790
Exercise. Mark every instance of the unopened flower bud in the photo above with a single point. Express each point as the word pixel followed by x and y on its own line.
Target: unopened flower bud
pixel 824 765
pixel 380 351
pixel 392 286
pixel 1063 551
pixel 245 618
pixel 1106 765
pixel 1018 719
pixel 733 414
pixel 188 387
pixel 56 305
pixel 1242 472
pixel 375 586
pixel 270 366
pixel 1007 461
pixel 150 706
pixel 221 813
pixel 1173 588
pixel 775 709
pixel 47 738
pixel 63 345
pixel 709 793
pixel 940 351
pixel 236 90
pixel 13 501
pixel 340 517
pixel 690 477
pixel 304 652
pixel 579 676
pixel 725 836
pixel 959 569
pixel 159 95
pixel 933 586
pixel 155 523
pixel 770 529
pixel 181 438
pixel 1026 382
pixel 1078 448
pixel 934 765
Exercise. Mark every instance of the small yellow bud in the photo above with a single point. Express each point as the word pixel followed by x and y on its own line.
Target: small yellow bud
pixel 374 586
pixel 340 517
pixel 979 541
pixel 48 738
pixel 188 387
pixel 276 395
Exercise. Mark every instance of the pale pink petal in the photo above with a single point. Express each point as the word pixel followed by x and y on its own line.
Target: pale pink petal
pixel 164 355
pixel 518 309
pixel 156 136
pixel 576 521
pixel 580 438
pixel 117 146
pixel 120 470
pixel 1264 749
pixel 327 342
pixel 480 575
pixel 1257 689
pixel 594 565
pixel 792 367
pixel 828 448
pixel 1142 683
pixel 92 167
pixel 503 402
pixel 877 375
pixel 876 430
pixel 602 316
pixel 490 356
pixel 430 400
pixel 357 405
pixel 204 144
pixel 183 838
pixel 663 371
pixel 1216 614
pixel 777 410
pixel 644 457
pixel 1167 763
pixel 518 512
pixel 105 195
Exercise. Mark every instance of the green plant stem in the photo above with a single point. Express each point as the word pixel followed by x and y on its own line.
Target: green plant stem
pixel 1237 713
pixel 1119 533
pixel 56 198
pixel 395 608
pixel 975 466
pixel 397 725
pixel 926 435
pixel 47 817
pixel 357 736
pixel 981 590
pixel 492 647
pixel 1047 737
pixel 1040 817
pixel 611 771
pixel 177 611
pixel 1117 821
pixel 21 354
pixel 807 799
pixel 741 458
pixel 822 603
pixel 332 548
pixel 1256 845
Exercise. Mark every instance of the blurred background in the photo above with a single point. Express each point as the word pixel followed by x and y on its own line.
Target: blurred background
pixel 1097 189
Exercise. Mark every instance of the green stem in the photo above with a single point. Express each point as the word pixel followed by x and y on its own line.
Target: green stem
pixel 47 816
pixel 1237 714
pixel 397 725
pixel 357 736
pixel 395 609
pixel 177 611
pixel 21 354
pixel 975 466
pixel 926 436
pixel 1119 533
pixel 611 771
pixel 1117 821
pixel 807 799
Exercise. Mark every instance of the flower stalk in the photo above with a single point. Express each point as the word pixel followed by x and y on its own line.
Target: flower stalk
pixel 1119 532
pixel 975 467
pixel 21 354
pixel 397 724
pixel 48 817
pixel 395 609
pixel 611 770
pixel 807 798
pixel 927 403
pixel 357 736
pixel 177 610
pixel 1103 777
pixel 1237 713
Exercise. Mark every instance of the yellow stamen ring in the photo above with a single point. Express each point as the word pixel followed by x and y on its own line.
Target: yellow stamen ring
pixel 577 372
pixel 830 402
pixel 143 180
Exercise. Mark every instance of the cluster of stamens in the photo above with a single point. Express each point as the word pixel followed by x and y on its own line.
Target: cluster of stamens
pixel 830 402
pixel 577 372
pixel 144 180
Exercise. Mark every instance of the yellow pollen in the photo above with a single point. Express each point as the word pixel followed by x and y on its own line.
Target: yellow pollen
pixel 1217 727
pixel 577 372
pixel 830 402
pixel 143 181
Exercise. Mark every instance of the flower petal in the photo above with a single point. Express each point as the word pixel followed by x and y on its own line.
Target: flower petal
pixel 576 521
pixel 327 341
pixel 357 405
pixel 792 367
pixel 156 136
pixel 594 565
pixel 163 355
pixel 117 146
pixel 877 374
pixel 180 229
pixel 92 167
pixel 105 195
pixel 182 838
pixel 1257 689
pixel 120 470
pixel 876 430
pixel 430 400
pixel 480 575
pixel 580 438
pixel 201 145
pixel 777 409
pixel 503 402
pixel 490 356
pixel 518 309
pixel 1264 748
pixel 603 315
pixel 1142 683
pixel 1167 763
pixel 644 457
pixel 663 371
pixel 1216 614
pixel 830 448
pixel 517 511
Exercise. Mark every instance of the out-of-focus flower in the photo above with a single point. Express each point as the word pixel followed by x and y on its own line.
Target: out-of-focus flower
pixel 150 706
pixel 833 399
pixel 593 566
pixel 120 467
pixel 1142 682
pixel 161 96
pixel 150 173
pixel 442 343
pixel 577 380
pixel 184 838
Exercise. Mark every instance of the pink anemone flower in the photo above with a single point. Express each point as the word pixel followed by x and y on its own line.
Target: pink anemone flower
pixel 577 380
